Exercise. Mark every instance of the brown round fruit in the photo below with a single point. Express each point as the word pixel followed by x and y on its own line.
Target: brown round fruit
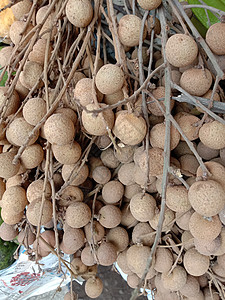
pixel 78 215
pixel 215 38
pixel 8 169
pixel 195 263
pixel 34 209
pixel 93 287
pixel 143 207
pixel 79 12
pixel 67 153
pixel 109 216
pixel 212 135
pixel 34 110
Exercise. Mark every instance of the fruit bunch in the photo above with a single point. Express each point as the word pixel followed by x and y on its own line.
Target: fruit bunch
pixel 112 149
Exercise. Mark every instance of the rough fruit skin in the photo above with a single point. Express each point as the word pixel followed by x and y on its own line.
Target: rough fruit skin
pixel 32 156
pixel 203 229
pixel 195 263
pixel 59 129
pixel 106 254
pixel 79 12
pixel 157 136
pixel 74 239
pixel 212 135
pixel 141 234
pixel 67 154
pixel 137 258
pixel 112 192
pixel 215 38
pixel 196 81
pixel 143 207
pixel 129 128
pixel 129 30
pixel 207 197
pixel 93 287
pixel 149 4
pixel 191 288
pixel 12 103
pixel 31 75
pixel 78 215
pixel 33 212
pixel 177 198
pixel 8 169
pixel 181 50
pixel 175 280
pixel 34 110
pixel 163 260
pixel 187 124
pixel 110 216
pixel 109 79
pixel 14 200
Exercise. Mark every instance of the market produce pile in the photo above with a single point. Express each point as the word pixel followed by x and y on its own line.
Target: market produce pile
pixel 112 142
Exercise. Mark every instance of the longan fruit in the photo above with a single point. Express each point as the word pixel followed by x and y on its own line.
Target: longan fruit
pixel 127 219
pixel 157 136
pixel 21 90
pixel 215 38
pixel 33 212
pixel 122 262
pixel 97 124
pixel 207 197
pixel 175 280
pixel 133 280
pixel 70 194
pixel 67 153
pixel 21 8
pixel 118 236
pixel 175 77
pixel 93 287
pixel 153 107
pixel 191 287
pixel 78 214
pixel 15 33
pixel 204 229
pixel 212 135
pixel 8 232
pixel 11 219
pixel 129 30
pixel 177 198
pixel 168 220
pixel 14 200
pixel 195 263
pixel 206 152
pixel 69 171
pixel 143 234
pixel 98 232
pixel 188 164
pixel 40 15
pixel 125 154
pixel 182 219
pixel 59 129
pixel 31 74
pixel 109 79
pixel 207 248
pixel 109 158
pixel 38 52
pixel 2 187
pixel 163 260
pixel 8 169
pixel 68 296
pixel 143 207
pixel 131 190
pixel 110 216
pixel 86 64
pixel 79 12
pixel 101 174
pixel 5 54
pixel 149 5
pixel 125 174
pixel 112 192
pixel 12 104
pixel 87 256
pixel 111 98
pixel 188 125
pixel 129 128
pixel 77 266
pixel 145 55
pixel 107 254
pixel 74 239
pixel 34 110
pixel 35 190
pixel 196 81
pixel 181 50
pixel 32 156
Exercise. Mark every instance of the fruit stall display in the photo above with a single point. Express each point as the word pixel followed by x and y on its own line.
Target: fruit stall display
pixel 112 140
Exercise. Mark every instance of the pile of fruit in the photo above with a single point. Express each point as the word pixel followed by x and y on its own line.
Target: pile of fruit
pixel 112 142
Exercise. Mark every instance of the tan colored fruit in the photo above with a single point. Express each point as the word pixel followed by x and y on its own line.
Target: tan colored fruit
pixel 112 192
pixel 129 128
pixel 206 247
pixel 15 33
pixel 215 38
pixel 157 136
pixel 14 200
pixel 33 212
pixel 26 237
pixel 182 219
pixel 196 81
pixel 177 198
pixel 195 263
pixel 79 12
pixel 35 190
pixel 188 125
pixel 125 174
pixel 175 280
pixel 208 292
pixel 118 236
pixel 109 159
pixel 59 129
pixel 131 190
pixel 112 98
pixel 21 8
pixel 97 124
pixel 133 280
pixel 93 287
pixel 77 266
pixel 40 15
pixel 149 5
pixel 21 90
pixel 153 107
pixel 8 106
pixel 188 164
pixel 34 110
pixel 67 154
pixel 168 220
pixel 122 262
pixel 68 296
pixel 74 239
pixel 204 229
pixel 163 260
pixel 101 175
pixel 31 74
pixel 182 149
pixel 109 79
pixel 49 237
pixel 78 215
pixel 109 216
pixel 69 171
pixel 208 95
pixel 212 135
pixel 70 194
pixel 77 77
pixel 137 257
pixel 84 94
pixel 87 257
pixel 8 169
pixel 129 30
pixel 5 54
pixel 18 131
pixel 191 287
pixel 143 233
pixel 175 77
pixel 32 156
pixel 206 152
pixel 86 64
pixel 125 154
pixel 143 207
pixel 106 254
pixel 127 219
pixel 8 232
pixel 145 55
pixel 181 50
pixel 207 197
pixel 38 52
pixel 11 219
pixel 98 232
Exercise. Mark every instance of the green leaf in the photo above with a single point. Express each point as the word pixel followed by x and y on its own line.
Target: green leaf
pixel 201 14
